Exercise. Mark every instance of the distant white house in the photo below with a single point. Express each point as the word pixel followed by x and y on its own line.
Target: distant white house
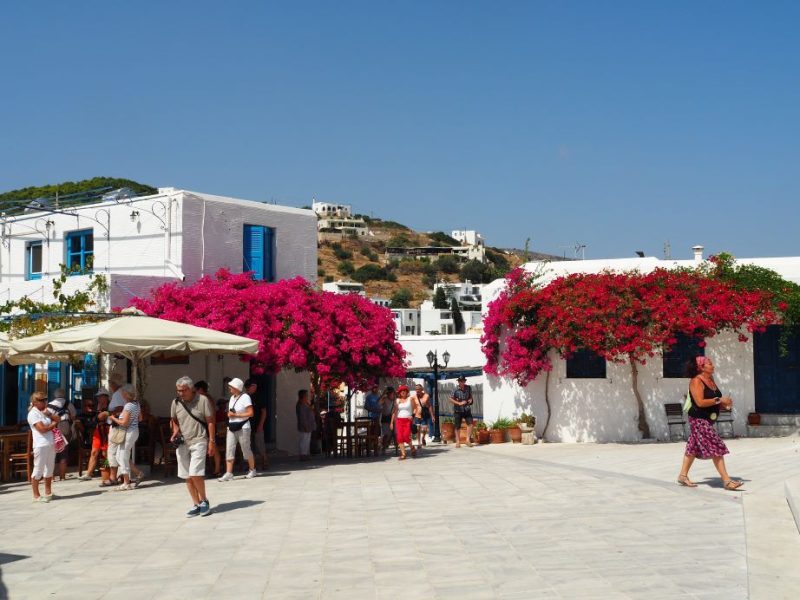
pixel 139 243
pixel 336 221
pixel 344 287
pixel 328 210
pixel 407 321
pixel 467 237
pixel 467 294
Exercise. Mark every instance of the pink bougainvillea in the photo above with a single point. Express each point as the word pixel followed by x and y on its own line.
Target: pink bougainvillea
pixel 336 338
pixel 623 317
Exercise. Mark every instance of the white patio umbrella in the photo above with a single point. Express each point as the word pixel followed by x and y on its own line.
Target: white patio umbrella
pixel 134 337
pixel 3 346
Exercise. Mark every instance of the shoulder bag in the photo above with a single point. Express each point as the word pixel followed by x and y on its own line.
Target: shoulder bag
pixel 191 414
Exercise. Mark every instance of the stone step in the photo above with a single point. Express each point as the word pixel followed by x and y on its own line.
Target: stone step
pixel 772 430
pixel 776 419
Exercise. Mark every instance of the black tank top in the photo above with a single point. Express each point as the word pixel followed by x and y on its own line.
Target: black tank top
pixel 709 413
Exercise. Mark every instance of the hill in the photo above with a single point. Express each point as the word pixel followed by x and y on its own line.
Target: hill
pixel 408 281
pixel 69 193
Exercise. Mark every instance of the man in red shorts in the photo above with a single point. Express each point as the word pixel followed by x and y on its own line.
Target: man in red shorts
pixel 99 436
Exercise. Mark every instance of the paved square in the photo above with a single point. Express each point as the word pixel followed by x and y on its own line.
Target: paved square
pixel 500 521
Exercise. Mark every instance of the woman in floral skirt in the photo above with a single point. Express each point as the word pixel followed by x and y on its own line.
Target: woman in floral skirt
pixel 704 442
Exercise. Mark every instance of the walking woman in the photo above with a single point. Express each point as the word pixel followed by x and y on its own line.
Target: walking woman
pixel 128 420
pixel 704 442
pixel 42 424
pixel 240 409
pixel 405 408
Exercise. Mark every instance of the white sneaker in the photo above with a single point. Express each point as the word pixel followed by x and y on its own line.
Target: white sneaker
pixel 226 477
pixel 251 474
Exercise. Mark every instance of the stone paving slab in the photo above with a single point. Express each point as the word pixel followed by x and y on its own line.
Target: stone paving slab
pixel 547 521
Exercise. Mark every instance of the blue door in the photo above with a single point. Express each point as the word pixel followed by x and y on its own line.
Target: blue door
pixel 777 378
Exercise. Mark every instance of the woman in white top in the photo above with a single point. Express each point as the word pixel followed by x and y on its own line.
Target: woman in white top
pixel 240 409
pixel 405 408
pixel 42 424
pixel 129 420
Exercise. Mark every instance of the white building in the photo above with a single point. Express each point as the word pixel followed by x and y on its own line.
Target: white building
pixel 140 243
pixel 344 287
pixel 439 321
pixel 467 294
pixel 407 321
pixel 597 403
pixel 328 210
pixel 467 237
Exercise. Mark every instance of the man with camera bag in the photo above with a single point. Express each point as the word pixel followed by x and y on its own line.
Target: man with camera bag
pixel 193 429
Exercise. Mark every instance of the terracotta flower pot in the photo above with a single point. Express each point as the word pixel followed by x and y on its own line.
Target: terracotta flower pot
pixel 105 473
pixel 497 436
pixel 483 436
pixel 516 434
pixel 754 419
pixel 462 435
pixel 448 432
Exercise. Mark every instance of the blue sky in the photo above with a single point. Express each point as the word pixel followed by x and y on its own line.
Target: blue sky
pixel 618 125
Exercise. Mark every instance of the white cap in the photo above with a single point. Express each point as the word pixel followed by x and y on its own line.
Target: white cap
pixel 102 392
pixel 236 384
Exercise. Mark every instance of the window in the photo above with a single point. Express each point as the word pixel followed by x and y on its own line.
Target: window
pixel 79 251
pixel 33 260
pixel 677 355
pixel 585 364
pixel 258 252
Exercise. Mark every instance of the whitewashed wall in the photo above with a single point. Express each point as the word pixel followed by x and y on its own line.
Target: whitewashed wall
pixel 213 227
pixel 604 410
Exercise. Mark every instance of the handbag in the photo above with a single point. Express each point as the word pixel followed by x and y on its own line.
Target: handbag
pixel 59 441
pixel 687 404
pixel 117 435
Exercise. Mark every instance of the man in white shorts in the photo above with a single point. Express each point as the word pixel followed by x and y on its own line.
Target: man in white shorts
pixel 193 421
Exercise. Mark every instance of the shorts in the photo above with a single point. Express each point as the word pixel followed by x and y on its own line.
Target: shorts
pixel 99 441
pixel 192 459
pixel 44 460
pixel 457 417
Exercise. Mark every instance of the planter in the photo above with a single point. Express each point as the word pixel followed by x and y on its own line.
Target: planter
pixel 516 434
pixel 105 474
pixel 448 432
pixel 482 436
pixel 497 436
pixel 754 419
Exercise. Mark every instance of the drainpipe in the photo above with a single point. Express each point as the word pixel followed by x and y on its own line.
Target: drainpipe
pixel 698 253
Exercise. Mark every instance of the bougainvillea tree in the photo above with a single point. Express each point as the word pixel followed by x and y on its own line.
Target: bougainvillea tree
pixel 623 317
pixel 336 338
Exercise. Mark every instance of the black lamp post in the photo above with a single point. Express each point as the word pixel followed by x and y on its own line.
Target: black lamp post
pixel 433 361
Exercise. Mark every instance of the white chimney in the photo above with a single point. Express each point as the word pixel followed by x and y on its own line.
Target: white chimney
pixel 698 253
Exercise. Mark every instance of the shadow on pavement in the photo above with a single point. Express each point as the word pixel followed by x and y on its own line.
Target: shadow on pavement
pixel 229 506
pixel 5 559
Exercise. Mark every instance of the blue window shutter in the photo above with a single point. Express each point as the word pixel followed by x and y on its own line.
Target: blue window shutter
pixel 53 377
pixel 253 250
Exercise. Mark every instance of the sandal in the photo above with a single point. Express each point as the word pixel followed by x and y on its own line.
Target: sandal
pixel 401 457
pixel 107 483
pixel 732 485
pixel 685 481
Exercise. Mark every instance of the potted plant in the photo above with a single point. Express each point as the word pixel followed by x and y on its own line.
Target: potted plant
pixel 526 422
pixel 515 432
pixel 754 418
pixel 498 430
pixel 448 429
pixel 481 432
pixel 105 469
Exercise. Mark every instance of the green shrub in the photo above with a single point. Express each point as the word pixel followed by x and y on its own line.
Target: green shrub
pixel 447 264
pixel 345 267
pixel 402 298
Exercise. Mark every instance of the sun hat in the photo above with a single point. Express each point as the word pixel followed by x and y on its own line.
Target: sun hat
pixel 402 388
pixel 236 384
pixel 102 392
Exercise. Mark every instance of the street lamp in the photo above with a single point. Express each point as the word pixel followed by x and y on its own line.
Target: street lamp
pixel 433 361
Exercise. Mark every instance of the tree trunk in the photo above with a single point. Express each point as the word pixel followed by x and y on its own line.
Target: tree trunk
pixel 547 403
pixel 643 426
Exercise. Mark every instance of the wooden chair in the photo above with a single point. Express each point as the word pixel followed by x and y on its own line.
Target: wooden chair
pixel 146 444
pixel 20 455
pixel 725 417
pixel 169 461
pixel 366 437
pixel 675 418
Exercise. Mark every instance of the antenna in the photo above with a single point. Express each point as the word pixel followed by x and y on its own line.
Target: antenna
pixel 580 249
pixel 667 251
